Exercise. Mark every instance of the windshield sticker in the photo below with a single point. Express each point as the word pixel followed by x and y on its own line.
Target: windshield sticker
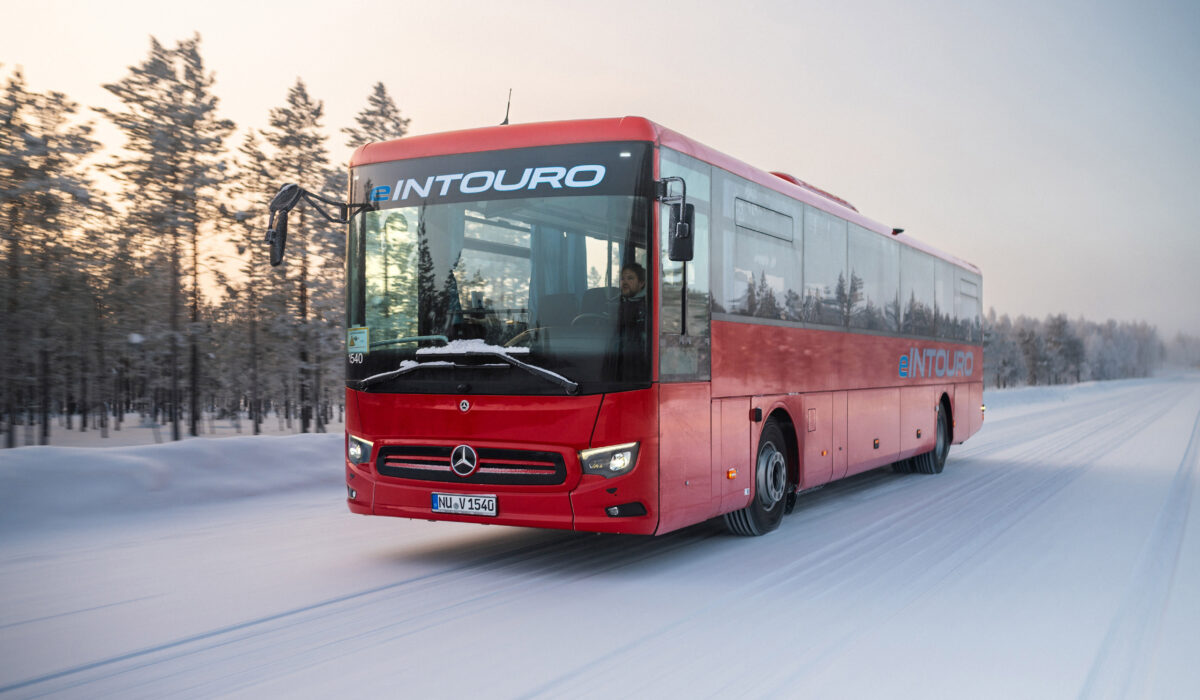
pixel 357 340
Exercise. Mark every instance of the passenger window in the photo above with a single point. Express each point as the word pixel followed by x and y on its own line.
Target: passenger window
pixel 826 284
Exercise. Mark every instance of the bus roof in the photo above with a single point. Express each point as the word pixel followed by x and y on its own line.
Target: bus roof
pixel 495 138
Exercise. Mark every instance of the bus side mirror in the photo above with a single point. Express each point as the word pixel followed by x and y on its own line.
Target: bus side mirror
pixel 683 221
pixel 277 236
pixel 287 197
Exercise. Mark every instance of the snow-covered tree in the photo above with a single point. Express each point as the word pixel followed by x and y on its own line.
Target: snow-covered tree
pixel 380 120
pixel 313 266
pixel 42 191
pixel 1003 361
pixel 171 170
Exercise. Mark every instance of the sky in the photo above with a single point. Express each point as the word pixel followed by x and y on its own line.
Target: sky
pixel 1056 145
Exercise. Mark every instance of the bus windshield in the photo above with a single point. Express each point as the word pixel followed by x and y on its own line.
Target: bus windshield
pixel 538 277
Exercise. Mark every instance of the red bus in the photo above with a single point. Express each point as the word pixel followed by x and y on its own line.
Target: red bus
pixel 603 325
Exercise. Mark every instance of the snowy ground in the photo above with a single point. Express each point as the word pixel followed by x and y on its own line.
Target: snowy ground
pixel 1054 558
pixel 137 430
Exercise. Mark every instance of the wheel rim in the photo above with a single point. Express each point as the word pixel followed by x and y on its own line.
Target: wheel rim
pixel 772 476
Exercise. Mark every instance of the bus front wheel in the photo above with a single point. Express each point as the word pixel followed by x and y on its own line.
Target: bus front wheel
pixel 770 487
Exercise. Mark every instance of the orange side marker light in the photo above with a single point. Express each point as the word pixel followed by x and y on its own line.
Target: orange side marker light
pixel 731 474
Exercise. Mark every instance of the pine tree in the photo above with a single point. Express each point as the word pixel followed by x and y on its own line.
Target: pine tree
pixel 768 305
pixel 42 187
pixel 260 296
pixel 314 263
pixel 380 120
pixel 171 172
pixel 1003 361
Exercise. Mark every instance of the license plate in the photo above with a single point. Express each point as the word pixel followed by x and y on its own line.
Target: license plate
pixel 464 504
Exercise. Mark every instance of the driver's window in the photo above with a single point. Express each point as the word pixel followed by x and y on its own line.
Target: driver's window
pixel 686 357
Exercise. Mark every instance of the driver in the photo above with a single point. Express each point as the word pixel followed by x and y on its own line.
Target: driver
pixel 633 304
pixel 633 282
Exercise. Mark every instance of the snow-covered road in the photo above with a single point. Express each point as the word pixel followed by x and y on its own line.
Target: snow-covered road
pixel 1055 558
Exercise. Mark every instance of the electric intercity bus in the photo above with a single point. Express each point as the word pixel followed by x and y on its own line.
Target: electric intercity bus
pixel 603 325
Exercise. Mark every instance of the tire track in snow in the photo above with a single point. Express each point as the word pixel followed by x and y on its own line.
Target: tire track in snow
pixel 250 624
pixel 816 576
pixel 1002 515
pixel 999 430
pixel 1122 664
pixel 506 577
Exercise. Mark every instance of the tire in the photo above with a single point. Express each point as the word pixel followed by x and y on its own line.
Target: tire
pixel 771 487
pixel 933 461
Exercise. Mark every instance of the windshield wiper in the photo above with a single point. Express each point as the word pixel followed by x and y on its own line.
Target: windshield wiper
pixel 405 367
pixel 569 386
pixel 442 357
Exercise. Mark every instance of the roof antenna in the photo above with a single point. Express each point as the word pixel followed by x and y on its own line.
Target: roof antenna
pixel 506 108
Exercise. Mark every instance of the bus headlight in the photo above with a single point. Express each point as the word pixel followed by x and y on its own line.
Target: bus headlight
pixel 609 461
pixel 358 450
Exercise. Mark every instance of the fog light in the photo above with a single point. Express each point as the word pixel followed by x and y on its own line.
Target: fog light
pixel 626 510
pixel 352 493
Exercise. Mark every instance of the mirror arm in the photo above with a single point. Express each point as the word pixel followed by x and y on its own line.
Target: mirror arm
pixel 288 197
pixel 344 210
pixel 663 188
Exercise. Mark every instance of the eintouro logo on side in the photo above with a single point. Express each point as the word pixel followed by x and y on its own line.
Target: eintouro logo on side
pixel 552 176
pixel 930 362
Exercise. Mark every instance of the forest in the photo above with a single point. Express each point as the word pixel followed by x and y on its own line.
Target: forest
pixel 137 283
pixel 134 281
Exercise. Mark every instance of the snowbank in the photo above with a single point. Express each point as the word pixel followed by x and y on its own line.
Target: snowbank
pixel 38 484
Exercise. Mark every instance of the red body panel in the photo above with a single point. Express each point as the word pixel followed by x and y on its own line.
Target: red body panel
pixel 818 449
pixel 874 428
pixel 560 420
pixel 855 379
pixel 626 417
pixel 731 450
pixel 918 413
pixel 684 468
pixel 563 424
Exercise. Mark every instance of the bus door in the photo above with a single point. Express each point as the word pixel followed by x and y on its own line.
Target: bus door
pixel 684 352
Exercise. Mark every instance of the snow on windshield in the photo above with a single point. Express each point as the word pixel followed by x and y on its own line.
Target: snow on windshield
pixel 475 345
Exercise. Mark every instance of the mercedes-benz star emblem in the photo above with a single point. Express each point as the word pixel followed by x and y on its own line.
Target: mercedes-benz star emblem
pixel 464 461
pixel 464 405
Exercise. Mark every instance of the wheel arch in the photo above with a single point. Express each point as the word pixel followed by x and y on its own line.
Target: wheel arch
pixel 781 415
pixel 948 406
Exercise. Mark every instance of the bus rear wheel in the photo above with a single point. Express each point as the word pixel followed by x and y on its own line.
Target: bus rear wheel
pixel 765 511
pixel 933 461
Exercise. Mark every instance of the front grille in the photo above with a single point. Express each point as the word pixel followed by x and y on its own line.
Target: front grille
pixel 496 466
